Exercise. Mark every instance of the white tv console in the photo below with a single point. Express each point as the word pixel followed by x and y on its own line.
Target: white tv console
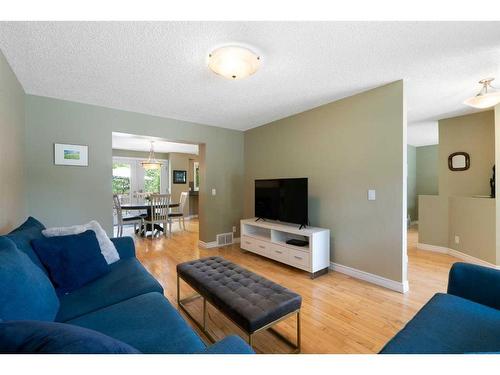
pixel 268 238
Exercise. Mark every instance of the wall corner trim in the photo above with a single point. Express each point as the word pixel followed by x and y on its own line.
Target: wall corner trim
pixel 457 254
pixel 401 287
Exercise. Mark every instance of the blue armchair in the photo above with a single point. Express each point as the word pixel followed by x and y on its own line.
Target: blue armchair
pixel 464 320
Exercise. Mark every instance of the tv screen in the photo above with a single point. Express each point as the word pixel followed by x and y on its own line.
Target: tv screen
pixel 282 199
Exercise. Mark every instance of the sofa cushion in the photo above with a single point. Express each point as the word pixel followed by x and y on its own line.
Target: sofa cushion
pixel 28 336
pixel 127 278
pixel 147 322
pixel 229 345
pixel 25 291
pixel 22 236
pixel 107 247
pixel 449 324
pixel 72 261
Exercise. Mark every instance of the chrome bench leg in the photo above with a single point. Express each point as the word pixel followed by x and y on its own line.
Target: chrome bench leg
pixel 204 314
pixel 203 326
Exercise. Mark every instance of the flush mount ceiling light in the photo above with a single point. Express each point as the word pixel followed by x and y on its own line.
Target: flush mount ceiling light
pixel 151 163
pixel 486 97
pixel 233 62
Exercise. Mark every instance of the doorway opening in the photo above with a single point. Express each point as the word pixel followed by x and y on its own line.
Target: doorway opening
pixel 177 176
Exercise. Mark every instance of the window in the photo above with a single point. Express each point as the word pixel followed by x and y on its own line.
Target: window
pixel 152 180
pixel 121 178
pixel 130 178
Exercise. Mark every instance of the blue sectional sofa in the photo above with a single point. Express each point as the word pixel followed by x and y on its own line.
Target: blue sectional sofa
pixel 465 320
pixel 126 304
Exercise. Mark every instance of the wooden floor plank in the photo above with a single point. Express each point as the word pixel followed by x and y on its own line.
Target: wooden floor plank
pixel 340 314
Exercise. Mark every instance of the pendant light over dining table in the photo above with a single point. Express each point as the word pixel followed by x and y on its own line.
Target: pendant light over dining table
pixel 151 163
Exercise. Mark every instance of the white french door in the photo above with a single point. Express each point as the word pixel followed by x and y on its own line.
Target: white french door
pixel 131 180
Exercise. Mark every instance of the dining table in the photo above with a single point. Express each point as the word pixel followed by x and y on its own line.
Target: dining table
pixel 147 207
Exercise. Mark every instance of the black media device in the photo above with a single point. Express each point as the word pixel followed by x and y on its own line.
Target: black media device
pixel 283 199
pixel 296 242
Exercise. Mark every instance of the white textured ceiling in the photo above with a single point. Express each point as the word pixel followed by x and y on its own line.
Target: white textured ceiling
pixel 123 141
pixel 160 67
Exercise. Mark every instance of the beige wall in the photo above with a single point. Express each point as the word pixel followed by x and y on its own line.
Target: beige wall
pixel 344 148
pixel 497 187
pixel 12 152
pixel 454 212
pixel 473 221
pixel 474 134
pixel 433 219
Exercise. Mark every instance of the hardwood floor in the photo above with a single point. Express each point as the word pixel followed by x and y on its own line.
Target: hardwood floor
pixel 340 314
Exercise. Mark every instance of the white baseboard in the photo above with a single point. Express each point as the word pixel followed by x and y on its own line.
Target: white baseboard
pixel 434 248
pixel 456 254
pixel 401 287
pixel 190 217
pixel 413 222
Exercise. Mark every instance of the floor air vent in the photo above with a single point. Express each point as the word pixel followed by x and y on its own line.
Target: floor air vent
pixel 224 239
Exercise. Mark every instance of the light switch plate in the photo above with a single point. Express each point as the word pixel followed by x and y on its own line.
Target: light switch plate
pixel 372 195
pixel 214 192
pixel 457 240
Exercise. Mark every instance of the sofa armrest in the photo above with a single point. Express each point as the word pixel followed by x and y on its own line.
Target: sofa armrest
pixel 229 345
pixel 475 283
pixel 125 246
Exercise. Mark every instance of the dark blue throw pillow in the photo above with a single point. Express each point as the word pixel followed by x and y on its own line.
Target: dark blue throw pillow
pixel 72 261
pixel 28 336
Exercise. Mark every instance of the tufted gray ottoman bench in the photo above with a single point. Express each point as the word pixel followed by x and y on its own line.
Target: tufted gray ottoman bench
pixel 250 301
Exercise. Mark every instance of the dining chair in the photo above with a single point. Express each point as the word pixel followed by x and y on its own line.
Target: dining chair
pixel 180 212
pixel 141 197
pixel 124 220
pixel 158 213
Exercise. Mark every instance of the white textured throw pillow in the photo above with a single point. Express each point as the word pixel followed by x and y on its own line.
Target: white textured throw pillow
pixel 108 249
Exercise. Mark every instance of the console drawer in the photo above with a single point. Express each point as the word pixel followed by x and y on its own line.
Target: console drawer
pixel 248 243
pixel 279 253
pixel 300 259
pixel 262 247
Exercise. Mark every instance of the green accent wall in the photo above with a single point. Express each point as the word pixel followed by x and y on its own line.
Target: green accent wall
pixel 427 170
pixel 65 195
pixel 427 179
pixel 411 185
pixel 12 152
pixel 344 148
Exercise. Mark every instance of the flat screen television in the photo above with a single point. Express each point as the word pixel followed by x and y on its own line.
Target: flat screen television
pixel 283 199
